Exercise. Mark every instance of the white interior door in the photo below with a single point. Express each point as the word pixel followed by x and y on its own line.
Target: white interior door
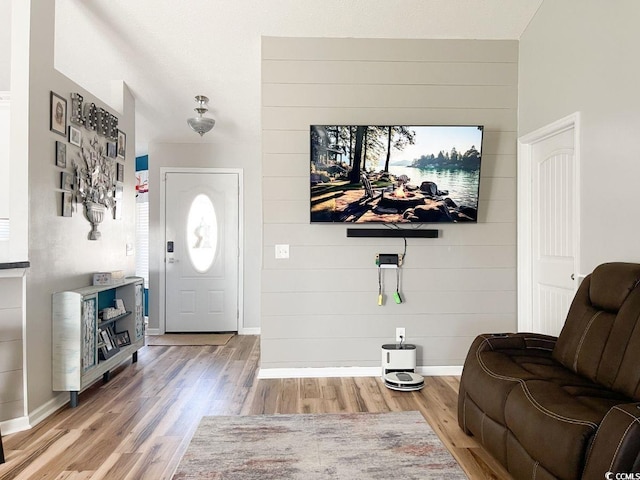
pixel 548 224
pixel 201 252
pixel 553 227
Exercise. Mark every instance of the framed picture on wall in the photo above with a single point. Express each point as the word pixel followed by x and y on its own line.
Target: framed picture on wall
pixel 75 136
pixel 122 144
pixel 117 210
pixel 67 207
pixel 120 172
pixel 61 154
pixel 58 114
pixel 111 149
pixel 66 181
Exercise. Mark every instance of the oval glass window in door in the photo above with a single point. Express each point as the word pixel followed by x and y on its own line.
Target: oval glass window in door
pixel 202 233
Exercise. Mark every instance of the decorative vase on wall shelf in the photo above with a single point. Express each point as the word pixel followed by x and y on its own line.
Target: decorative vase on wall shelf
pixel 95 214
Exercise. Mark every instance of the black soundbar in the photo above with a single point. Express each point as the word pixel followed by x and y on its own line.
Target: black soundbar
pixel 392 232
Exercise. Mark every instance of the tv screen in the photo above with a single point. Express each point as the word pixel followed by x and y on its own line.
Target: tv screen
pixel 395 173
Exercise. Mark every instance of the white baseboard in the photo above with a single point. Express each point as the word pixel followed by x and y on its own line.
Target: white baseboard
pixel 249 331
pixel 327 372
pixel 42 412
pixel 38 415
pixel 242 331
pixel 15 425
pixel 440 371
pixel 312 372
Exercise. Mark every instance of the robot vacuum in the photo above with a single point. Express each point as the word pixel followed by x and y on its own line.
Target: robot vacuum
pixel 403 381
pixel 398 367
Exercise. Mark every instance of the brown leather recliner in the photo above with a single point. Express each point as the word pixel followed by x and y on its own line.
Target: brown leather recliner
pixel 568 407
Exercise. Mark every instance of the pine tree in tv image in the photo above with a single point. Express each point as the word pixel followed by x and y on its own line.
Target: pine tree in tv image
pixel 395 174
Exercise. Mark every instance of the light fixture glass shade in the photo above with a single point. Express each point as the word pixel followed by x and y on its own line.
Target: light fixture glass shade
pixel 201 124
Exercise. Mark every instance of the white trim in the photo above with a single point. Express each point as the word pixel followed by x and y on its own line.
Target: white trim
pixel 242 331
pixel 525 204
pixel 440 371
pixel 12 272
pixel 48 409
pixel 161 283
pixel 331 372
pixel 15 425
pixel 249 331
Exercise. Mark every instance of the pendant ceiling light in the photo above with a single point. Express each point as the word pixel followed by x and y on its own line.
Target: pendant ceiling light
pixel 201 124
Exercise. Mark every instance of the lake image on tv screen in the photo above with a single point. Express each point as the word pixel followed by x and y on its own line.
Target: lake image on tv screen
pixel 395 174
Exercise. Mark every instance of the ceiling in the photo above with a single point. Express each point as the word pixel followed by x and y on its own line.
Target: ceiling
pixel 168 52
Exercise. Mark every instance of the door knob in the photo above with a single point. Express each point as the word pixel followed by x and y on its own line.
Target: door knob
pixel 573 277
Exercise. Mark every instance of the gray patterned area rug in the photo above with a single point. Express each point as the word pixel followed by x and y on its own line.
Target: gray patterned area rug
pixel 360 446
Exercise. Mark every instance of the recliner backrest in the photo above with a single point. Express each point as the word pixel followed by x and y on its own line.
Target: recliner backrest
pixel 601 336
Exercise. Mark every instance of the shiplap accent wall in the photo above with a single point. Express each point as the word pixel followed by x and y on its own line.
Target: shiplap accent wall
pixel 319 307
pixel 11 338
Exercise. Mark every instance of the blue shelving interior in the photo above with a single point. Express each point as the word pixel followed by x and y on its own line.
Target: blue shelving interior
pixel 106 298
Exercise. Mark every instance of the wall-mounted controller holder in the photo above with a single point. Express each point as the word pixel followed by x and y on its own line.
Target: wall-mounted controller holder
pixel 389 260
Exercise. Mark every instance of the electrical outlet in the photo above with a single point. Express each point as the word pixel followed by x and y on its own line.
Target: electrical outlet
pixel 400 333
pixel 282 251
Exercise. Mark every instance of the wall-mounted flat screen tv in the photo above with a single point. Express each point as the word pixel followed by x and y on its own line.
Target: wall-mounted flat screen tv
pixel 395 173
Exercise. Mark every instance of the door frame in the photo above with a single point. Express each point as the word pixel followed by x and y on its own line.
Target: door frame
pixel 162 324
pixel 525 201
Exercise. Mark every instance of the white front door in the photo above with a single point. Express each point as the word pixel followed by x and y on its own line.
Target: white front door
pixel 201 252
pixel 548 240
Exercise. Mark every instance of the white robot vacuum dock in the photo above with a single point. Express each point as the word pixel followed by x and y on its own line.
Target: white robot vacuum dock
pixel 399 367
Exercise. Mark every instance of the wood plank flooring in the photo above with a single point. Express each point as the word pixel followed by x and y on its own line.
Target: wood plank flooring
pixel 138 425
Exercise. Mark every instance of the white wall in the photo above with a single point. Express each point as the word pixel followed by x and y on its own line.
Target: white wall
pixel 219 154
pixel 16 249
pixel 61 256
pixel 580 55
pixel 5 184
pixel 5 45
pixel 319 307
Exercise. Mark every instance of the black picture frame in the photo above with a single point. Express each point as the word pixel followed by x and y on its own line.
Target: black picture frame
pixel 61 154
pixel 111 149
pixel 119 172
pixel 107 344
pixel 122 339
pixel 66 181
pixel 122 144
pixel 58 114
pixel 67 204
pixel 117 209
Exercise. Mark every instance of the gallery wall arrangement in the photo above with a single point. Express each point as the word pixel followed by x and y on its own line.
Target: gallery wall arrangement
pixel 94 149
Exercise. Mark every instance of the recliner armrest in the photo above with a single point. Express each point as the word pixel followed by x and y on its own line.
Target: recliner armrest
pixel 515 341
pixel 616 445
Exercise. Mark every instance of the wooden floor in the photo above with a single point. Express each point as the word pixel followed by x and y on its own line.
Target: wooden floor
pixel 138 425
